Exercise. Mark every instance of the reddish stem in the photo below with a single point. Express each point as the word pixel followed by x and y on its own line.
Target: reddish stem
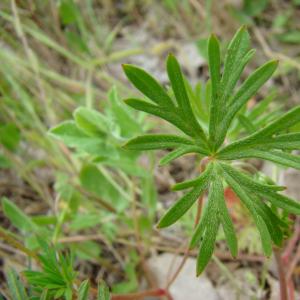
pixel 143 294
pixel 281 274
pixel 291 289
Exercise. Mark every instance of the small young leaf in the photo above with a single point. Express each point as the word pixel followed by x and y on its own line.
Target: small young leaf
pixel 185 184
pixel 72 136
pixel 90 121
pixel 184 204
pixel 276 156
pixel 122 116
pixel 148 85
pixel 180 152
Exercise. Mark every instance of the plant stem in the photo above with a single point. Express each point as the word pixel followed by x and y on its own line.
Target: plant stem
pixel 142 295
pixel 281 274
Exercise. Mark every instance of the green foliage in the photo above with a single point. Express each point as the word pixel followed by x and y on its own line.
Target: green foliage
pixel 56 279
pixel 18 218
pixel 208 137
pixel 16 286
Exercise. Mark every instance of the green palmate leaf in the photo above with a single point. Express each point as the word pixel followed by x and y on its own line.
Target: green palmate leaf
pixel 265 236
pixel 248 202
pixel 214 68
pixel 284 122
pixel 155 141
pixel 221 105
pixel 249 182
pixel 121 115
pixel 245 92
pixel 289 141
pixel 16 287
pixel 211 223
pixel 180 152
pixel 210 209
pixel 90 121
pixel 73 136
pixel 148 86
pixel 183 204
pixel 207 245
pixel 276 156
pixel 261 107
pixel 288 120
pixel 170 115
pixel 185 184
pixel 272 221
pixel 235 59
pixel 83 291
pixel 282 201
pixel 246 123
pixel 103 292
pixel 17 217
pixel 226 221
pixel 179 89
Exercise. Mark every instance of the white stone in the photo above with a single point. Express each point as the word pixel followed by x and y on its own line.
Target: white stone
pixel 186 286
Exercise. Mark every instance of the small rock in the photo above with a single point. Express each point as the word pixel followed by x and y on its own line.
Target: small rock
pixel 187 285
pixel 244 286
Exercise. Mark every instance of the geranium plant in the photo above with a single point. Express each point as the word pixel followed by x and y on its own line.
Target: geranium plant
pixel 273 142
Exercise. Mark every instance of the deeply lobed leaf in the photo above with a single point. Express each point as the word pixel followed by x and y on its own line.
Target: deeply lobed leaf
pixel 224 102
pixel 183 204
